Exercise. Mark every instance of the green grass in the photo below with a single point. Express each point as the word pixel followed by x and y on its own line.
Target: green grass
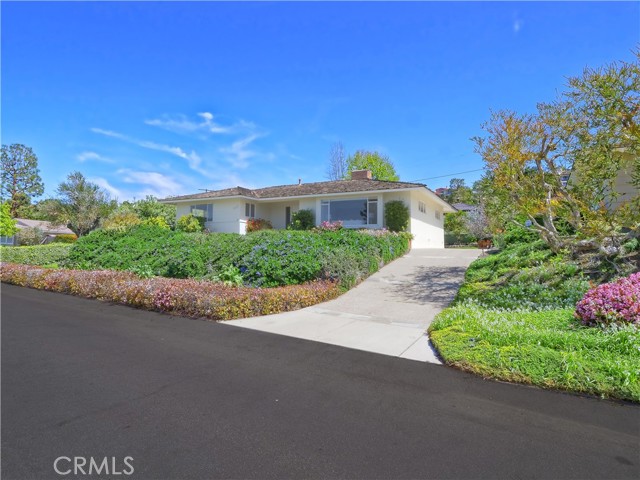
pixel 546 348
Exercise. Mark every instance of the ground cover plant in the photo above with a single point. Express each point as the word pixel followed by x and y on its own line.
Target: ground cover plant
pixel 265 258
pixel 515 319
pixel 194 298
pixel 546 348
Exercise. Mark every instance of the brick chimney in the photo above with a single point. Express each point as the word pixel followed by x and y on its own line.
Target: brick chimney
pixel 361 175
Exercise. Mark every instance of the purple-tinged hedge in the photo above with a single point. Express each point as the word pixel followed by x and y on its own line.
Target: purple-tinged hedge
pixel 193 298
pixel 616 302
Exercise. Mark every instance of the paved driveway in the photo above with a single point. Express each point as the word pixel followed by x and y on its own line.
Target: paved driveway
pixel 387 313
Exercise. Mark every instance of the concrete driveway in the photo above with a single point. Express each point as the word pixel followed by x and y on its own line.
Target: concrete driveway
pixel 388 313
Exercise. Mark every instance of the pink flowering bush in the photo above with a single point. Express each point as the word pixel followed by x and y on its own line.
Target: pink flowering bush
pixel 330 226
pixel 616 302
pixel 193 298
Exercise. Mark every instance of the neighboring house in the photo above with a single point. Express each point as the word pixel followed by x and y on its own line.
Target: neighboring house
pixel 358 203
pixel 464 207
pixel 623 185
pixel 50 231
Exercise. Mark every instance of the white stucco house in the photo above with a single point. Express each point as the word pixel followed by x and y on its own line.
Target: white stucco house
pixel 358 203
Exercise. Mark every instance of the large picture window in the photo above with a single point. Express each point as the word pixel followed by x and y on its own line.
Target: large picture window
pixel 361 211
pixel 204 210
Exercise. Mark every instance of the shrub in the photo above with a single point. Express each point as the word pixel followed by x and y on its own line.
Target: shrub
pixel 65 238
pixel 616 302
pixel 330 226
pixel 158 221
pixel 229 276
pixel 194 298
pixel 264 258
pixel 121 221
pixel 256 224
pixel 30 236
pixel 190 223
pixel 396 215
pixel 36 255
pixel 514 234
pixel 302 220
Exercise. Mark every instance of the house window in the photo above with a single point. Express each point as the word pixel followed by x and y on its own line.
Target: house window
pixel 203 210
pixel 437 214
pixel 250 210
pixel 361 211
pixel 4 240
pixel 422 207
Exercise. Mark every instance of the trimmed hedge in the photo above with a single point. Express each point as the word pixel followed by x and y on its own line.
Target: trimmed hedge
pixel 194 298
pixel 36 255
pixel 266 258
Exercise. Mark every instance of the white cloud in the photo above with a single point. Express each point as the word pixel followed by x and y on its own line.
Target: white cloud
pixel 158 184
pixel 193 159
pixel 103 183
pixel 238 154
pixel 181 124
pixel 85 156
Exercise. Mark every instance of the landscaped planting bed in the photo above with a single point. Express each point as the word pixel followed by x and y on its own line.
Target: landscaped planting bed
pixel 51 254
pixel 264 258
pixel 194 298
pixel 515 319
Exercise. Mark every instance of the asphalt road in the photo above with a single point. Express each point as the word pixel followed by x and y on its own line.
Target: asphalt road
pixel 192 399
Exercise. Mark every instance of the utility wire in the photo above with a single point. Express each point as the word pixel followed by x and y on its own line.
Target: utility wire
pixel 450 175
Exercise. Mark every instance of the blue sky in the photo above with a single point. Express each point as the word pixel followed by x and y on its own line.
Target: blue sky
pixel 168 98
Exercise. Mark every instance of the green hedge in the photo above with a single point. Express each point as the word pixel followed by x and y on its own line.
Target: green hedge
pixel 49 254
pixel 266 258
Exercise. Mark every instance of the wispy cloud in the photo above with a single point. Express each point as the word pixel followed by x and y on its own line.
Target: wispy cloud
pixel 182 124
pixel 238 154
pixel 193 159
pixel 92 156
pixel 157 184
pixel 103 183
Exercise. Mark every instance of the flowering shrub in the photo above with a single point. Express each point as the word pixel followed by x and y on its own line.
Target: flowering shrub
pixel 194 298
pixel 616 302
pixel 255 224
pixel 330 226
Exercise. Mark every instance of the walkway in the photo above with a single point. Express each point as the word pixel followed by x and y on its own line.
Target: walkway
pixel 388 313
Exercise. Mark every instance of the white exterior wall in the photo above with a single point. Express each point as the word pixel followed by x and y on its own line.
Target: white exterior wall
pixel 227 214
pixel 428 231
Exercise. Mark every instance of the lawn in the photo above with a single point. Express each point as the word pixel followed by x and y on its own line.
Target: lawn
pixel 513 320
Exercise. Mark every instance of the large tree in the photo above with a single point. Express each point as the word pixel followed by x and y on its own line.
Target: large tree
pixel 588 135
pixel 20 176
pixel 80 204
pixel 337 169
pixel 381 166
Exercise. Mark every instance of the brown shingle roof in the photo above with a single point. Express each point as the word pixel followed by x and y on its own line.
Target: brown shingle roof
pixel 304 189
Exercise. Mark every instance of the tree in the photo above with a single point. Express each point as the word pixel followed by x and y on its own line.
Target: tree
pixel 460 193
pixel 147 210
pixel 80 204
pixel 589 131
pixel 8 226
pixel 381 166
pixel 20 176
pixel 337 169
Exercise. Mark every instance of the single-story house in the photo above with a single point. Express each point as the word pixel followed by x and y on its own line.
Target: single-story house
pixel 49 230
pixel 357 203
